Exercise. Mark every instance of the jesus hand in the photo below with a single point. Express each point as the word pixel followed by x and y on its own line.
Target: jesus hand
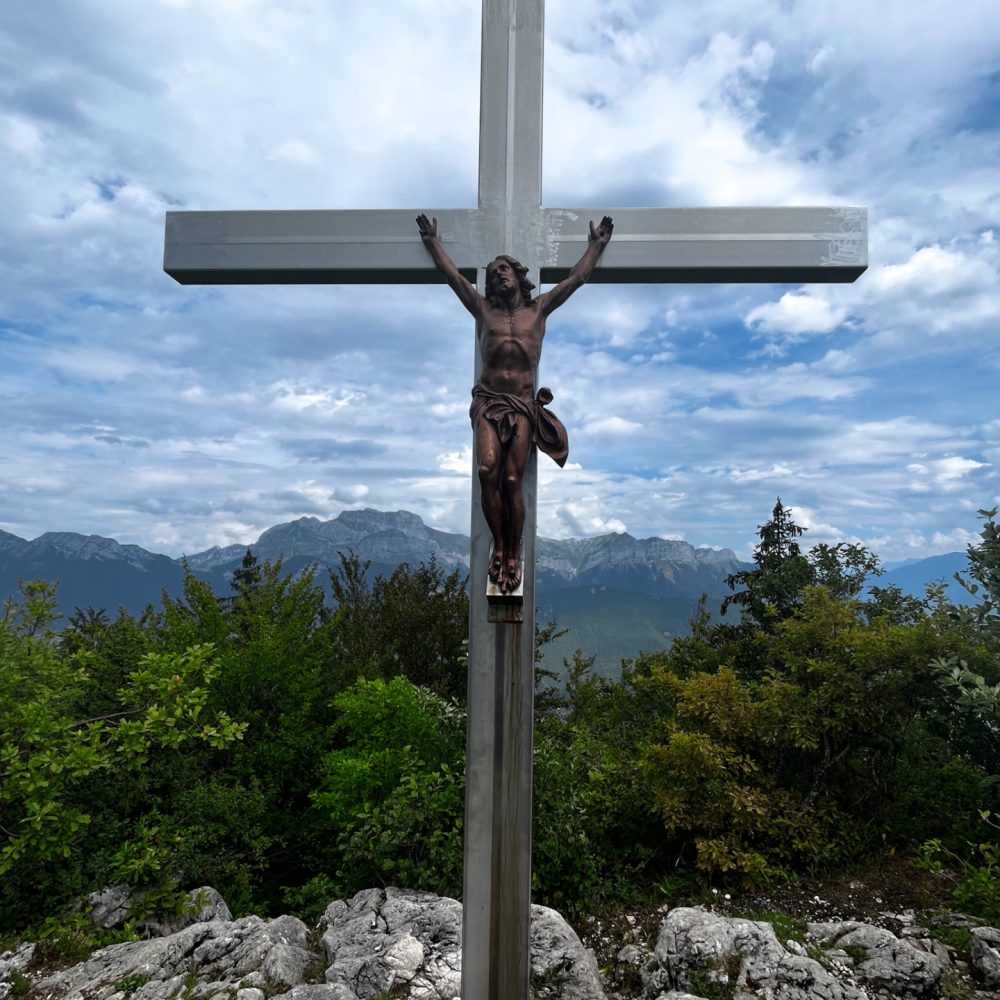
pixel 428 227
pixel 602 232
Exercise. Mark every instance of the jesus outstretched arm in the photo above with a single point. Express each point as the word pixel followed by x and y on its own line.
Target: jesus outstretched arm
pixel 597 240
pixel 469 297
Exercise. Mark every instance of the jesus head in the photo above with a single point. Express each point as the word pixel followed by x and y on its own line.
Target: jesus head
pixel 497 273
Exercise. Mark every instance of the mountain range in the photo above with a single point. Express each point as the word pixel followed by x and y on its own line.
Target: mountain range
pixel 617 595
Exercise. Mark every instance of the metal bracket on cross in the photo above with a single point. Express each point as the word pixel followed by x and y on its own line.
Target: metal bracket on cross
pixel 505 607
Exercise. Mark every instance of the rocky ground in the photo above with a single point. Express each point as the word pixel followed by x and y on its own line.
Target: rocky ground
pixel 881 934
pixel 891 894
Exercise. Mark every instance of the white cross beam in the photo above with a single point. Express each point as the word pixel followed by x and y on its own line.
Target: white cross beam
pixel 374 247
pixel 659 245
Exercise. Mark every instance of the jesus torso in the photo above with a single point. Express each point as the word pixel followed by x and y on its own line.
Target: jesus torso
pixel 511 346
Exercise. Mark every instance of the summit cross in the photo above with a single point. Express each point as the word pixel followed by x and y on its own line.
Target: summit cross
pixel 661 245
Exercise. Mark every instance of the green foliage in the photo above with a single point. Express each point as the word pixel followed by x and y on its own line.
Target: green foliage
pixel 978 889
pixel 243 816
pixel 289 753
pixel 594 835
pixel 774 589
pixel 714 784
pixel 786 927
pixel 843 569
pixel 67 938
pixel 715 981
pixel 413 623
pixel 33 611
pixel 955 937
pixel 183 747
pixel 393 795
pixel 132 983
pixel 970 690
pixel 984 578
pixel 51 757
pixel 19 983
pixel 932 786
pixel 308 901
pixel 856 953
pixel 789 738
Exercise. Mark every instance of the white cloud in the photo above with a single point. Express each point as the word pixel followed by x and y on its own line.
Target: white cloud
pixel 778 471
pixel 612 426
pixel 457 461
pixel 943 474
pixel 578 519
pixel 296 151
pixel 938 288
pixel 299 398
pixel 795 314
pixel 957 539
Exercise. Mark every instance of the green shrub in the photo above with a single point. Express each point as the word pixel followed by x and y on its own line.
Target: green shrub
pixel 55 760
pixel 393 796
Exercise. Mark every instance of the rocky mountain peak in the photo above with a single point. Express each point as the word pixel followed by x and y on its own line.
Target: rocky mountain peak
pixel 12 544
pixel 371 520
pixel 71 545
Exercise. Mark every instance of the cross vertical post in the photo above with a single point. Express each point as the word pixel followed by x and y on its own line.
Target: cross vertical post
pixel 496 893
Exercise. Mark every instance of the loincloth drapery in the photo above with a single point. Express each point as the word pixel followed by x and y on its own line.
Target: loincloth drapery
pixel 502 409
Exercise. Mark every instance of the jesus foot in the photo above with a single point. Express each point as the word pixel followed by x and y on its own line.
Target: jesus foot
pixel 496 566
pixel 512 576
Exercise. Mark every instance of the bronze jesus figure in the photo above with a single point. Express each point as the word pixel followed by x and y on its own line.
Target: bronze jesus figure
pixel 507 416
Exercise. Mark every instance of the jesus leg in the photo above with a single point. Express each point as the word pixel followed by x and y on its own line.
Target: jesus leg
pixel 515 462
pixel 488 460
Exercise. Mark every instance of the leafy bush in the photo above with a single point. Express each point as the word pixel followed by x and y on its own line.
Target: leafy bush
pixel 978 889
pixel 289 753
pixel 715 784
pixel 413 623
pixel 393 795
pixel 594 834
pixel 53 758
pixel 768 769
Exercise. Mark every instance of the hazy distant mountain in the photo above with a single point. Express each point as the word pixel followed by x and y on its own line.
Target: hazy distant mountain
pixel 91 570
pixel 653 566
pixel 912 577
pixel 384 538
pixel 618 595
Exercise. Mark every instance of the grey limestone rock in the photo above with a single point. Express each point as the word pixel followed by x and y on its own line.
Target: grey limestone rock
pixel 111 908
pixel 984 954
pixel 390 939
pixel 678 995
pixel 13 963
pixel 559 960
pixel 893 967
pixel 958 921
pixel 224 955
pixel 318 991
pixel 631 959
pixel 698 947
pixel 202 904
pixel 381 941
pixel 249 993
pixel 936 948
pixel 402 940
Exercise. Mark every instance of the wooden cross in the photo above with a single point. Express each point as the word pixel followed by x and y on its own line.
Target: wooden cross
pixel 383 247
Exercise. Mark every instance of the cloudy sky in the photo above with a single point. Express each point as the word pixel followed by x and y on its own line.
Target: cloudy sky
pixel 181 417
